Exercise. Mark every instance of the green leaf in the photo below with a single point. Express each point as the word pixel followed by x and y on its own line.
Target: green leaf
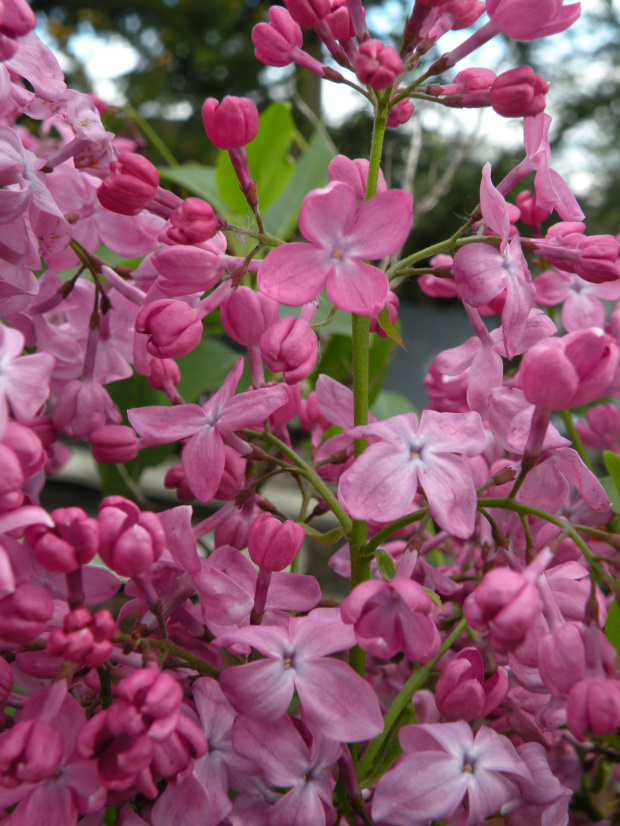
pixel 270 165
pixel 326 538
pixel 388 328
pixel 388 404
pixel 379 359
pixel 612 626
pixel 434 597
pixel 205 367
pixel 198 179
pixel 390 751
pixel 385 564
pixel 612 493
pixel 310 173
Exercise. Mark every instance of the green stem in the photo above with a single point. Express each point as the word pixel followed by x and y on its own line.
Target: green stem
pixel 449 244
pixel 263 237
pixel 385 533
pixel 154 138
pixel 569 529
pixel 575 438
pixel 106 686
pixel 399 704
pixel 308 472
pixel 174 650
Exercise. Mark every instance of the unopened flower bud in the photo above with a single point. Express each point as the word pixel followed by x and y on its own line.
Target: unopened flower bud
pixel 519 93
pixel 175 478
pixel 25 613
pixel 72 542
pixel 246 315
pixel 463 693
pixel 82 407
pixel 531 213
pixel 377 65
pixel 400 113
pixel 193 222
pixel 231 123
pixel 30 752
pixel 274 544
pixel 174 329
pixel 308 13
pixel 131 541
pixel 113 444
pixel 84 638
pixel 290 346
pixel 132 185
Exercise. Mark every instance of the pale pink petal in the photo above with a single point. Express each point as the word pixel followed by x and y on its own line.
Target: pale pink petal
pixel 252 408
pixel 203 459
pixel 335 699
pixel 277 747
pixel 452 432
pixel 357 287
pixel 479 273
pixel 263 689
pixel 382 225
pixel 449 487
pixel 322 632
pixel 454 361
pixel 160 425
pixel 327 214
pixel 294 274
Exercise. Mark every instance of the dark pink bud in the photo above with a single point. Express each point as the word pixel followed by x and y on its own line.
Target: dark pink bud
pixel 132 185
pixel 377 65
pixel 44 428
pixel 131 541
pixel 507 603
pixel 569 371
pixel 175 478
pixel 289 410
pixel 11 479
pixel 400 113
pixel 231 123
pixel 290 346
pixel 277 42
pixel 73 541
pixel 174 329
pixel 24 614
pixel 113 444
pixel 308 13
pixel 30 752
pixel 310 415
pixel 339 21
pixel 462 692
pixel 470 88
pixel 164 373
pixel 27 446
pixel 156 694
pixel 531 213
pixel 233 479
pixel 519 93
pixel 246 315
pixel 392 305
pixel 193 222
pixel 16 18
pixel 82 407
pixel 84 637
pixel 274 544
pixel 593 706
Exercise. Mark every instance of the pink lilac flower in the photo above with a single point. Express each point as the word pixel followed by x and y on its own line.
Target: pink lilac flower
pixel 206 427
pixel 444 763
pixel 341 238
pixel 580 299
pixel 334 699
pixel 383 481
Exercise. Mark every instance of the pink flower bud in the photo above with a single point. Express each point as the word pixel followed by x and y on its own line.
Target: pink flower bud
pixel 400 113
pixel 84 638
pixel 43 427
pixel 289 410
pixel 462 692
pixel 290 346
pixel 25 613
pixel 113 444
pixel 392 305
pixel 156 694
pixel 559 373
pixel 82 407
pixel 175 478
pixel 470 88
pixel 312 419
pixel 231 123
pixel 16 18
pixel 233 478
pixel 132 185
pixel 519 93
pixel 11 479
pixel 73 541
pixel 30 752
pixel 377 65
pixel 593 706
pixel 277 42
pixel 531 213
pixel 308 13
pixel 174 329
pixel 507 603
pixel 193 222
pixel 274 544
pixel 164 373
pixel 27 446
pixel 339 21
pixel 592 257
pixel 131 541
pixel 246 315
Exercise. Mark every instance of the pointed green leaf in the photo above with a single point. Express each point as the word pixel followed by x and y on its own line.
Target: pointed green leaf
pixel 326 538
pixel 388 328
pixel 385 564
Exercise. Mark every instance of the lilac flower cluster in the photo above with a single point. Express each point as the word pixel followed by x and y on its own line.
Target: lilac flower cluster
pixel 472 670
